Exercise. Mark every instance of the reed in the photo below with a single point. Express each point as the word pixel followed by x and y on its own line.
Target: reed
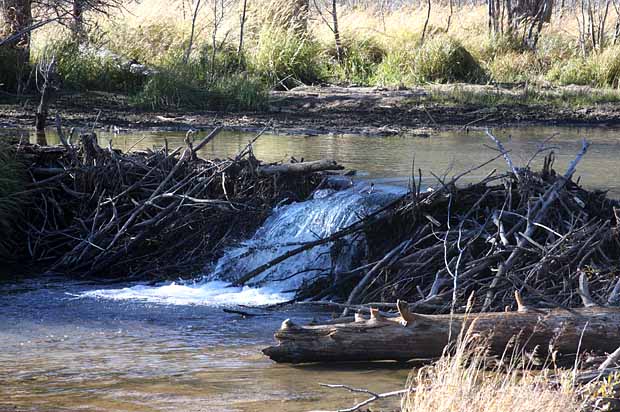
pixel 467 380
pixel 12 184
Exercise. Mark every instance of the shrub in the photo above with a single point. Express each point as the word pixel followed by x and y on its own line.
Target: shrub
pixel 12 183
pixel 515 67
pixel 92 68
pixel 287 56
pixel 608 63
pixel 577 70
pixel 360 58
pixel 443 59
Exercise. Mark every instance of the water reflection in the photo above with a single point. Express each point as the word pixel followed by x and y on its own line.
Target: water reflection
pixel 391 158
pixel 61 353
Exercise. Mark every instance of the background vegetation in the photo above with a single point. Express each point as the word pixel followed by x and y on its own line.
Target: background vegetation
pixel 191 54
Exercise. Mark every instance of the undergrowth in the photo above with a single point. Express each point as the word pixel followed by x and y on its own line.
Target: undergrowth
pixel 468 380
pixel 12 186
pixel 280 51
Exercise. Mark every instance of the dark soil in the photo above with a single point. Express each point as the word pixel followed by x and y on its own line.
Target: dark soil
pixel 321 110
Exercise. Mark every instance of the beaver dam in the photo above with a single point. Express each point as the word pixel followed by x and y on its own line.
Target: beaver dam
pixel 530 248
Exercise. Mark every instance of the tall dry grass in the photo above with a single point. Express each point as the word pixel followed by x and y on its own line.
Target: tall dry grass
pixel 465 381
pixel 379 49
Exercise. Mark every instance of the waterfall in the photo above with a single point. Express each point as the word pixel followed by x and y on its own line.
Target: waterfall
pixel 289 226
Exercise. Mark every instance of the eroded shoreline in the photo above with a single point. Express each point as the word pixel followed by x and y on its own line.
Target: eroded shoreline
pixel 367 111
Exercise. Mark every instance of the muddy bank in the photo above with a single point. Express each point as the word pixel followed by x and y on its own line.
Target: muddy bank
pixel 338 110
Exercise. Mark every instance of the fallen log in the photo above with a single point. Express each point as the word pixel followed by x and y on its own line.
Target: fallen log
pixel 299 168
pixel 416 336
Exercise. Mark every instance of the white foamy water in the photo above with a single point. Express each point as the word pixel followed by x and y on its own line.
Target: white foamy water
pixel 287 228
pixel 212 293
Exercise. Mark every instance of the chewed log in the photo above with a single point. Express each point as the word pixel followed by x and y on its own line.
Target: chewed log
pixel 299 168
pixel 426 336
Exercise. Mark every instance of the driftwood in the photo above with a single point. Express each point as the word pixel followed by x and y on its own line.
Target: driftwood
pixel 426 336
pixel 300 167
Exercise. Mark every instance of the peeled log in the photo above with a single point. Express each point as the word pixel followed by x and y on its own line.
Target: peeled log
pixel 426 336
pixel 300 168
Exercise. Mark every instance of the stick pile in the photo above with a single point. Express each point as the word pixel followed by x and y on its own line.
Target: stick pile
pixel 534 232
pixel 99 212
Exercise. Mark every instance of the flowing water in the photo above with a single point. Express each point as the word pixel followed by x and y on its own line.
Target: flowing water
pixel 69 345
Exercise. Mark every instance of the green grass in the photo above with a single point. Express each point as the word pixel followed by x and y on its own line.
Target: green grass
pixel 286 58
pixel 12 182
pixel 531 95
pixel 200 84
pixel 360 58
pixel 440 59
pixel 91 68
pixel 278 55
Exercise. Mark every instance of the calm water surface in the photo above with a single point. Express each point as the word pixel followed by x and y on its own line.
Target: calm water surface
pixel 390 158
pixel 62 353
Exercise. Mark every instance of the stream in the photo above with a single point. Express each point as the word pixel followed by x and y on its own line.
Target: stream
pixel 79 345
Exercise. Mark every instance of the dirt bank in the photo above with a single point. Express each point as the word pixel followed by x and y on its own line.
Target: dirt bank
pixel 339 110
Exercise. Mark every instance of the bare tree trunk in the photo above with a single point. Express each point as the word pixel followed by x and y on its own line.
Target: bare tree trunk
pixel 77 23
pixel 428 16
pixel 50 84
pixel 450 15
pixel 191 36
pixel 241 29
pixel 15 17
pixel 337 31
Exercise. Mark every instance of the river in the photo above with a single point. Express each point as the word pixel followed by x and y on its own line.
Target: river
pixel 75 345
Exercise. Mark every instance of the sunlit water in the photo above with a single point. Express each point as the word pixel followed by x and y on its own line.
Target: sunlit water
pixel 390 158
pixel 68 345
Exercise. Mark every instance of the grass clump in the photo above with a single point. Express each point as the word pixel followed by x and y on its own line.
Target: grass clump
pixel 577 71
pixel 466 382
pixel 441 59
pixel 93 68
pixel 515 67
pixel 12 184
pixel 360 59
pixel 608 63
pixel 286 57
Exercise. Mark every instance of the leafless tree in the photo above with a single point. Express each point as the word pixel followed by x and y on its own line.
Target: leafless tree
pixel 428 17
pixel 332 11
pixel 522 19
pixel 193 30
pixel 48 84
pixel 242 27
pixel 15 20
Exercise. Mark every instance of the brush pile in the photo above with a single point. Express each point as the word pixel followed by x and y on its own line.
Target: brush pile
pixel 98 212
pixel 534 232
pixel 531 232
